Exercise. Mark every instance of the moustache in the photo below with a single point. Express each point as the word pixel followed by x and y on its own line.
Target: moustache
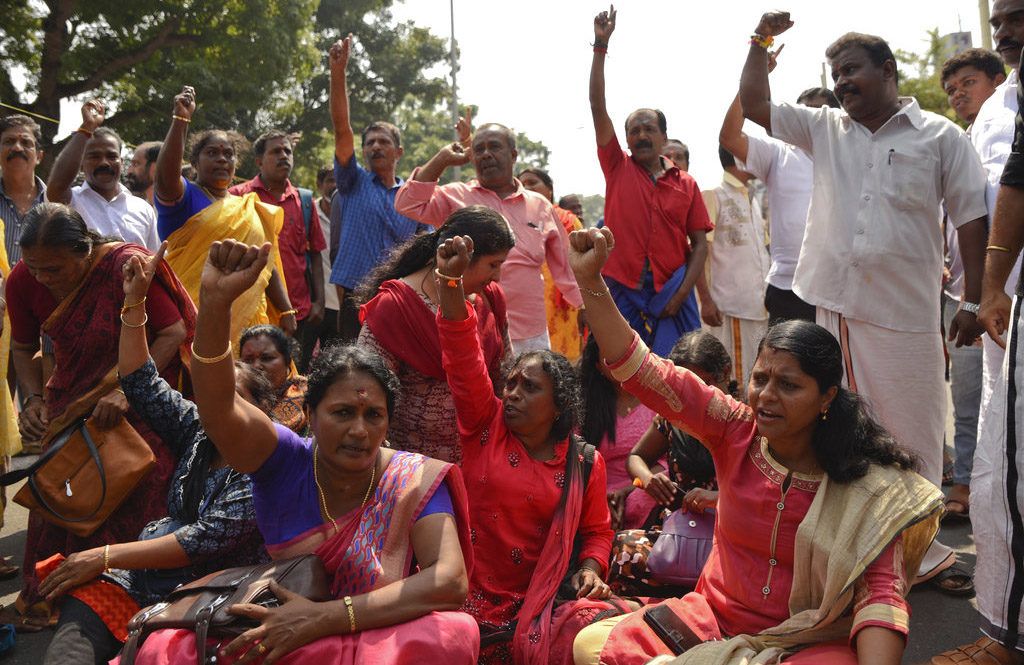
pixel 1005 44
pixel 18 155
pixel 644 144
pixel 103 170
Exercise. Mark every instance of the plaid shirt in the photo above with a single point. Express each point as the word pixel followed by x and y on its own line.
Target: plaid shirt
pixel 12 220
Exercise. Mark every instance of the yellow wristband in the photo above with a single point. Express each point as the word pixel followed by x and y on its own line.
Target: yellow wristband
pixel 210 361
pixel 351 614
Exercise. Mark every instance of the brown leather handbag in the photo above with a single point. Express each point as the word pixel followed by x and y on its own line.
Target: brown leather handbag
pixel 84 475
pixel 202 605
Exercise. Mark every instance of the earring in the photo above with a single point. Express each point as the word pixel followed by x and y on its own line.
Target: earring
pixel 824 414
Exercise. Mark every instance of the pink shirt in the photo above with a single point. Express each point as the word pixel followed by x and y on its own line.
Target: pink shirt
pixel 539 237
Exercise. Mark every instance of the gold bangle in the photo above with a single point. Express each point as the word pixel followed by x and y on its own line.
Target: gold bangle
pixel 182 118
pixel 210 361
pixel 998 248
pixel 593 293
pixel 289 311
pixel 450 282
pixel 126 307
pixel 106 558
pixel 84 131
pixel 145 319
pixel 351 614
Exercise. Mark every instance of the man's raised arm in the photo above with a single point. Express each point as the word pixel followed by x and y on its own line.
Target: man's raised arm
pixel 69 161
pixel 755 92
pixel 604 25
pixel 344 139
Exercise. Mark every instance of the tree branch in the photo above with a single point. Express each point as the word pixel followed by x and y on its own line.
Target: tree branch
pixel 110 69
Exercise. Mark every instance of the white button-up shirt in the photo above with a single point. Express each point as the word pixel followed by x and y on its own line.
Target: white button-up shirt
pixel 992 136
pixel 127 217
pixel 873 246
pixel 788 174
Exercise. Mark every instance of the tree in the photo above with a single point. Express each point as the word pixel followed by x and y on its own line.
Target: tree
pixel 925 82
pixel 593 208
pixel 136 56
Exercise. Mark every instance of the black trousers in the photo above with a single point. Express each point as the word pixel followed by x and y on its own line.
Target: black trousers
pixel 783 305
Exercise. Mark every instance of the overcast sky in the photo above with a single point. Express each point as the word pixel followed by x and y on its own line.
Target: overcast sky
pixel 527 63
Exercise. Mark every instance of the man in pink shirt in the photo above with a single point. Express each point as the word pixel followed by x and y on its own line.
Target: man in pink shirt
pixel 539 235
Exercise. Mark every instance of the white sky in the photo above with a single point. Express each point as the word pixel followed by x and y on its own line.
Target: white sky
pixel 527 63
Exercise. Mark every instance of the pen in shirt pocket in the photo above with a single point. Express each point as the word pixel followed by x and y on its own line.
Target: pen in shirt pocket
pixel 892 153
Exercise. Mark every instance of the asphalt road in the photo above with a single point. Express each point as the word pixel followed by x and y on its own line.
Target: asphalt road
pixel 938 621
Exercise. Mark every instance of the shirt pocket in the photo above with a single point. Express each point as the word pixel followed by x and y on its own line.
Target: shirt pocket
pixel 530 241
pixel 909 182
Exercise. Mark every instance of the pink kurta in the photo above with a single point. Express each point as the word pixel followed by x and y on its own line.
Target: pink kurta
pixel 628 430
pixel 746 583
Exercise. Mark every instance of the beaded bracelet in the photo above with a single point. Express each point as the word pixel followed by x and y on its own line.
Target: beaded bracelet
pixel 762 41
pixel 451 282
pixel 182 118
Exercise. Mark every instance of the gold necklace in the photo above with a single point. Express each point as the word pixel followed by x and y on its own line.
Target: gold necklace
pixel 320 489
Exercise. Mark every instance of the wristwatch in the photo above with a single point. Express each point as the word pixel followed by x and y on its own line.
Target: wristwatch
pixel 971 307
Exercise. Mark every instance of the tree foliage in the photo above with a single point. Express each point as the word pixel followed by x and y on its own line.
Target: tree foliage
pixel 920 77
pixel 255 64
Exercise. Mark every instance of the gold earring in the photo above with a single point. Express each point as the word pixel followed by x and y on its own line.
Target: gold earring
pixel 824 414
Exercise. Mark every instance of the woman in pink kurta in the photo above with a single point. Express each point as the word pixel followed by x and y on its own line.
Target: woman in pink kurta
pixel 804 448
pixel 530 496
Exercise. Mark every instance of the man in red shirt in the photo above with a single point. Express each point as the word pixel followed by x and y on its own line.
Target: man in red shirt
pixel 656 213
pixel 301 239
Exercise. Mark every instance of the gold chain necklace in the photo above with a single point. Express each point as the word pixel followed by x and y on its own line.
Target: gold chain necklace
pixel 320 489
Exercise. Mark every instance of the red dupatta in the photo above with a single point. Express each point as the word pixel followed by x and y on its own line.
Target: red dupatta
pixel 532 639
pixel 403 324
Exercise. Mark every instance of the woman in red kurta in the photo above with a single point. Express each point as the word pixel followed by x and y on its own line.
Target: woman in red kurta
pixel 525 480
pixel 819 517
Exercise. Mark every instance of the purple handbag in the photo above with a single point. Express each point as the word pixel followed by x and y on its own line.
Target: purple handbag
pixel 679 554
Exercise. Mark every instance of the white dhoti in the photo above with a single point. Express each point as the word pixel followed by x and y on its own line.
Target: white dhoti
pixel 997 497
pixel 740 338
pixel 901 376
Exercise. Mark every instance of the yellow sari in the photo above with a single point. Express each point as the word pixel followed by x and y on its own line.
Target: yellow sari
pixel 242 218
pixel 10 441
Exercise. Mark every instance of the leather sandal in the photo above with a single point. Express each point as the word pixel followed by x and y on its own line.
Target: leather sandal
pixel 985 651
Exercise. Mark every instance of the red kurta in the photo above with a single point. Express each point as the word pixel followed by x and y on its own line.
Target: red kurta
pixel 512 497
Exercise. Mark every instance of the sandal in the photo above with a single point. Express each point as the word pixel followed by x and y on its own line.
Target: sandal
pixel 8 571
pixel 962 511
pixel 985 651
pixel 953 581
pixel 23 623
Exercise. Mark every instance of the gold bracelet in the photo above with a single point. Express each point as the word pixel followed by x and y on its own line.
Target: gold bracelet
pixel 211 361
pixel 126 307
pixel 998 248
pixel 289 311
pixel 451 282
pixel 182 118
pixel 595 294
pixel 106 558
pixel 351 614
pixel 145 319
pixel 85 131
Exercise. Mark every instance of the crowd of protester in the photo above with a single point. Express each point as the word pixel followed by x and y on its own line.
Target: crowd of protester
pixel 492 420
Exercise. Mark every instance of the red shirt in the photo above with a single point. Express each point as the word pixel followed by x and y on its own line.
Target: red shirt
pixel 292 242
pixel 29 304
pixel 650 220
pixel 512 497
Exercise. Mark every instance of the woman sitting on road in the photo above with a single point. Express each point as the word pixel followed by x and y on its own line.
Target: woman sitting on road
pixel 537 495
pixel 391 527
pixel 819 515
pixel 211 522
pixel 267 349
pixel 401 301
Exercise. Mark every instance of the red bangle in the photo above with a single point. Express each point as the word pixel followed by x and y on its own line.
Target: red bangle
pixel 603 50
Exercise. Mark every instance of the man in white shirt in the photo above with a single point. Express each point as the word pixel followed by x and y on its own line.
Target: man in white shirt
pixel 107 206
pixel 969 79
pixel 732 296
pixel 872 253
pixel 788 172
